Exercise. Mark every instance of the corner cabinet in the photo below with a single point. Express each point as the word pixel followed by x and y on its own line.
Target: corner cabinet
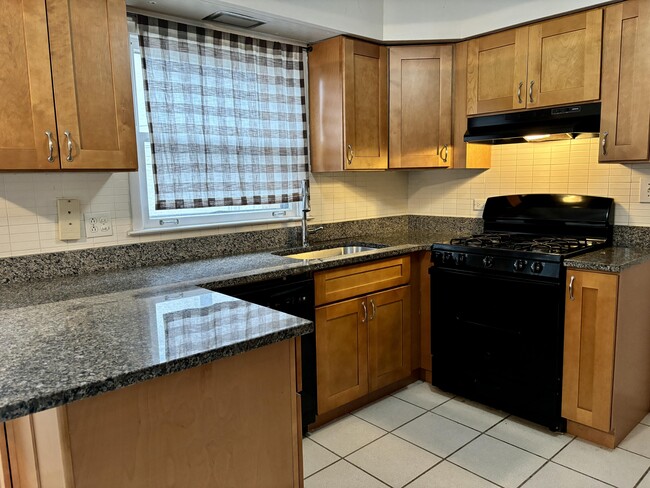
pixel 420 100
pixel 363 344
pixel 68 102
pixel 606 379
pixel 625 132
pixel 549 63
pixel 348 105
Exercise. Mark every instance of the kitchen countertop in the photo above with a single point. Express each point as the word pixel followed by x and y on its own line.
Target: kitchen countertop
pixel 611 259
pixel 70 338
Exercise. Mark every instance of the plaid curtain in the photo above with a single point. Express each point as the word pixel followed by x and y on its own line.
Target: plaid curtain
pixel 226 115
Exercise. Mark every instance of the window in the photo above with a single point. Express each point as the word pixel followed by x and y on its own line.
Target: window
pixel 221 128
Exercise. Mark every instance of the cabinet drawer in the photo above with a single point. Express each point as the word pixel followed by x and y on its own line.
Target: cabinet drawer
pixel 351 281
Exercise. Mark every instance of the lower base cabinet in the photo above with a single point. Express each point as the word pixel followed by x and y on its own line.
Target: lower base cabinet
pixel 362 344
pixel 234 422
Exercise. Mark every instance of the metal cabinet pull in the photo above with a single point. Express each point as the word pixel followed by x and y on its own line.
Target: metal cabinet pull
pixel 571 297
pixel 604 143
pixel 530 92
pixel 68 138
pixel 521 83
pixel 445 149
pixel 374 310
pixel 350 154
pixel 365 311
pixel 50 146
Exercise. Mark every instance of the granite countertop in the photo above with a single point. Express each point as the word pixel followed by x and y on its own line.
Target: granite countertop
pixel 70 338
pixel 611 259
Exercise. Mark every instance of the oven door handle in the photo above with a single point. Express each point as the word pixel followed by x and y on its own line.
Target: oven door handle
pixel 571 297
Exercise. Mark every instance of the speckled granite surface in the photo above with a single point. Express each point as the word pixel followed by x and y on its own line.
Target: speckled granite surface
pixel 613 259
pixel 631 236
pixel 59 352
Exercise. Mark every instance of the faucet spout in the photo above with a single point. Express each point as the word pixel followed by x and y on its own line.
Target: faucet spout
pixel 306 209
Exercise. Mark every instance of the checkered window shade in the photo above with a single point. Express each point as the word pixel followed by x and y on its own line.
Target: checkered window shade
pixel 226 115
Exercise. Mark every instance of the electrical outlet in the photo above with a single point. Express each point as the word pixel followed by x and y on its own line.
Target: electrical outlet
pixel 98 224
pixel 478 204
pixel 69 213
pixel 644 189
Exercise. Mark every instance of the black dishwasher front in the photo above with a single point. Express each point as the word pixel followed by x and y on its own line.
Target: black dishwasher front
pixel 293 295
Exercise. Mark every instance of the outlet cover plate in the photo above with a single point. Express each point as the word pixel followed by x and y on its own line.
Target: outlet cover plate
pixel 478 204
pixel 69 213
pixel 98 224
pixel 644 189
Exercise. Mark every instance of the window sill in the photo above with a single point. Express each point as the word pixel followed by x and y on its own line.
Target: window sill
pixel 220 225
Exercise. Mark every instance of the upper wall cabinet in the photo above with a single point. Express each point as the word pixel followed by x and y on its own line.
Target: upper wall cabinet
pixel 72 55
pixel 550 63
pixel 420 106
pixel 348 105
pixel 625 132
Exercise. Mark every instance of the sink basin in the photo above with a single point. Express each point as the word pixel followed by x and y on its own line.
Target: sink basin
pixel 331 252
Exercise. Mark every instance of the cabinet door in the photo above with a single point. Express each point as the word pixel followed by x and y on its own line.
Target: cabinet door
pixel 496 72
pixel 589 336
pixel 625 111
pixel 365 105
pixel 420 106
pixel 389 336
pixel 341 353
pixel 26 99
pixel 92 83
pixel 564 60
pixel 5 476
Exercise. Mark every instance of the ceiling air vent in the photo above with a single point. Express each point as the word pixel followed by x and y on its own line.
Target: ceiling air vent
pixel 234 20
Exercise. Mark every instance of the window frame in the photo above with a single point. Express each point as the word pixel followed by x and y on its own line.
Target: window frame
pixel 146 221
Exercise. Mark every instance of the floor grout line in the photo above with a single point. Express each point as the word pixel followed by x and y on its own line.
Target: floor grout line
pixel 647 473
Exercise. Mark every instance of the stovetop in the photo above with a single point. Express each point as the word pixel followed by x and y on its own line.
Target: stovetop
pixel 545 244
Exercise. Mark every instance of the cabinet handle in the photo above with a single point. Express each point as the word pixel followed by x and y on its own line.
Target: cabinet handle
pixel 445 150
pixel 68 138
pixel 365 311
pixel 374 310
pixel 350 154
pixel 521 84
pixel 571 297
pixel 530 92
pixel 50 146
pixel 604 143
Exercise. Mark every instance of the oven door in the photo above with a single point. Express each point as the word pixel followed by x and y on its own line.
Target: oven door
pixel 498 339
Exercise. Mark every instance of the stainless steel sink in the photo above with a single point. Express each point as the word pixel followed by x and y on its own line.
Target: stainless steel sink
pixel 331 252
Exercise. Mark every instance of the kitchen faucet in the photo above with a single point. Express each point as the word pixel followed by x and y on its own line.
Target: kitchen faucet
pixel 305 209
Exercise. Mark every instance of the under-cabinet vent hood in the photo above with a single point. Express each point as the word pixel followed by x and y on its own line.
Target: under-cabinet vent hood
pixel 546 124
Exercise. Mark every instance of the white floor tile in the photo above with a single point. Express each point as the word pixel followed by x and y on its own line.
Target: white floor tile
pixel 393 460
pixel 342 474
pixel 645 482
pixel 389 413
pixel 617 467
pixel 315 457
pixel 346 435
pixel 560 477
pixel 646 420
pixel 478 417
pixel 423 395
pixel 436 434
pixel 638 440
pixel 447 475
pixel 497 461
pixel 531 437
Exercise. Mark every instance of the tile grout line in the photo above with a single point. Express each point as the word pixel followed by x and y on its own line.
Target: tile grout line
pixel 647 473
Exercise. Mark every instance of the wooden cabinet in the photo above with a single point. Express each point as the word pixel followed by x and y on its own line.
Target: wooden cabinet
pixel 363 344
pixel 348 105
pixel 550 63
pixel 5 475
pixel 625 131
pixel 72 55
pixel 606 380
pixel 420 100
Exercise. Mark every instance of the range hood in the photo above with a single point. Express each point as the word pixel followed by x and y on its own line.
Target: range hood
pixel 546 124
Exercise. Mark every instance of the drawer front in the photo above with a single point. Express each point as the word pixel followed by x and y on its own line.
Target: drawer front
pixel 351 281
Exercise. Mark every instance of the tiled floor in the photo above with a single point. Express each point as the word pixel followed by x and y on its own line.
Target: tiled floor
pixel 421 437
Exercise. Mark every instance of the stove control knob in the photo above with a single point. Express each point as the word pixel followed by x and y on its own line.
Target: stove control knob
pixel 448 258
pixel 520 264
pixel 488 261
pixel 436 257
pixel 537 267
pixel 461 259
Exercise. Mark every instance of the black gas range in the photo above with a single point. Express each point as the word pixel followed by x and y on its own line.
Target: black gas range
pixel 497 300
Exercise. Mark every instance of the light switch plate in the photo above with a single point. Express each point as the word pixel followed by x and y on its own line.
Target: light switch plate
pixel 98 224
pixel 644 189
pixel 69 219
pixel 478 204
